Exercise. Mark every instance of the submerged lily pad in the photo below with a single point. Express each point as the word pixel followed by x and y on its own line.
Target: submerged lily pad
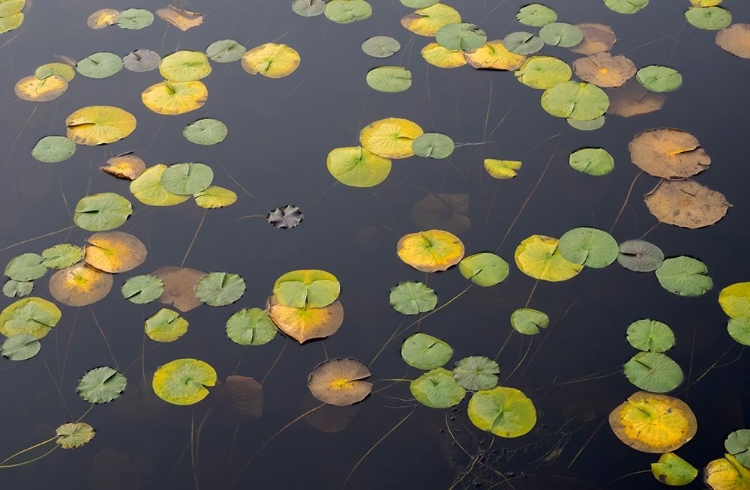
pixel 413 298
pixel 735 39
pixel 529 321
pixel 654 372
pixel 650 336
pixel 484 269
pixel 674 471
pixel 251 326
pixel 21 347
pixel 309 287
pixel 142 289
pixel 166 326
pixel 437 389
pixel 640 256
pixel 74 435
pixel 340 382
pixel 220 288
pixel 430 251
pixel 539 257
pixel 476 373
pixel 183 381
pixel 33 316
pixel 102 212
pixel 53 149
pixel 504 412
pixel 101 385
pixel 179 287
pixel 597 38
pixel 588 246
pixel 303 324
pixel 205 132
pixel 357 167
pixel 141 60
pixel 135 19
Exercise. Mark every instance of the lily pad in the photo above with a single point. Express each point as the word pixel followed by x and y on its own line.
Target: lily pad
pixel 340 382
pixel 183 381
pixel 58 69
pixel 425 352
pixel 25 267
pixel 605 70
pixel 310 287
pixel 658 78
pixel 357 167
pixel 250 326
pixel 735 39
pixel 686 203
pixel 430 251
pixel 225 51
pixel 21 347
pixel 428 21
pixel 181 19
pixel 484 269
pixel 53 149
pixel 381 46
pixel 561 34
pixel 101 385
pixel 437 389
pixel 186 179
pixel 185 66
pixel 125 166
pixel 708 18
pixel 102 212
pixel 36 90
pixel 149 189
pixel 99 125
pixel 727 474
pixel 215 197
pixel 626 6
pixel 575 100
pixel 33 316
pixel 684 276
pixel 529 321
pixel 433 145
pixel 390 138
pixel 166 326
pixel 524 43
pixel 303 324
pixel 493 55
pixel 504 412
pixel 103 18
pixel 543 72
pixel 654 372
pixel 205 132
pixel 539 257
pixel 99 65
pixel 135 19
pixel 463 36
pixel 179 287
pixel 739 330
pixel 738 445
pixel 437 55
pixel 79 285
pixel 141 60
pixel 74 435
pixel 413 298
pixel 114 252
pixel 650 336
pixel 308 8
pixel 17 289
pixel 735 300
pixel 668 153
pixel 220 288
pixel 597 38
pixel 588 246
pixel 348 11
pixel 476 373
pixel 502 169
pixel 674 471
pixel 172 98
pixel 389 79
pixel 536 15
pixel 271 60
pixel 640 256
pixel 142 289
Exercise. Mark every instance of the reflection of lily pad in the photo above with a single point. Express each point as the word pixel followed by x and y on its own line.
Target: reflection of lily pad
pixel 449 212
pixel 183 381
pixel 425 352
pixel 505 412
pixel 437 389
pixel 340 382
pixel 179 286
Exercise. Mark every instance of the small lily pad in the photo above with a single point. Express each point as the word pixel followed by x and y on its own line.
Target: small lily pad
pixel 186 179
pixel 433 145
pixel 21 347
pixel 166 326
pixel 684 276
pixel 99 65
pixel 220 288
pixel 390 79
pixel 426 352
pixel 225 51
pixel 529 321
pixel 674 471
pixel 484 269
pixel 654 372
pixel 437 389
pixel 413 298
pixel 287 217
pixel 536 15
pixel 588 246
pixel 53 149
pixel 25 267
pixel 650 336
pixel 102 212
pixel 640 256
pixel 381 46
pixel 505 412
pixel 738 445
pixel 74 435
pixel 101 385
pixel 142 289
pixel 183 381
pixel 17 289
pixel 205 132
pixel 476 373
pixel 251 326
pixel 62 256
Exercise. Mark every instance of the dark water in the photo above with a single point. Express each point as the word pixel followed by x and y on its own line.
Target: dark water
pixel 280 132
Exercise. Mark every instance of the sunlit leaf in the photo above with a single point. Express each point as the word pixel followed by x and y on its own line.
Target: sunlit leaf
pixel 34 316
pixel 179 286
pixel 142 289
pixel 543 72
pixel 99 125
pixel 149 190
pixel 174 98
pixel 309 287
pixel 430 251
pixel 493 55
pixel 708 18
pixel 658 78
pixel 58 69
pixel 215 197
pixel 674 471
pixel 303 324
pixel 412 298
pixel 185 66
pixel 605 70
pixel 529 321
pixel 347 11
pixel 650 336
pixel 684 276
pixel 101 385
pixel 476 373
pixel 11 7
pixel 561 34
pixel 114 252
pixel 588 246
pixel 433 145
pixel 357 167
pixel 381 46
pixel 539 257
pixel 575 100
pixel 287 217
pixel 668 153
pixel 220 288
pixel 79 285
pixel 597 38
pixel 390 138
pixel 135 19
pixel 735 300
pixel 25 267
pixel 103 18
pixel 53 149
pixel 340 382
pixel 125 167
pixel 181 19
pixel 484 269
pixel 735 39
pixel 437 55
pixel 653 423
pixel 183 381
pixel 502 169
pixel 166 326
pixel 271 60
pixel 250 326
pixel 10 22
pixel 505 412
pixel 99 65
pixel 640 256
pixel 21 347
pixel 428 21
pixel 141 60
pixel 102 212
pixel 686 203
pixel 74 435
pixel 536 15
pixel 727 474
pixel 654 372
pixel 389 79
pixel 437 389
pixel 35 90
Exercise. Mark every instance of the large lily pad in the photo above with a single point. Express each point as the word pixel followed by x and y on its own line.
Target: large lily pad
pixel 727 474
pixel 26 267
pixel 390 138
pixel 102 212
pixel 173 98
pixel 504 412
pixel 684 276
pixel 80 285
pixel 650 336
pixel 21 347
pixel 114 252
pixel 99 125
pixel 668 153
pixel 428 21
pixel 185 66
pixel 357 167
pixel 686 203
pixel 588 246
pixel 271 60
pixel 654 372
pixel 33 316
pixel 575 100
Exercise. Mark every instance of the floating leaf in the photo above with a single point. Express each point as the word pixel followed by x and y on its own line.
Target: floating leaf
pixel 543 72
pixel 11 22
pixel 484 269
pixel 684 276
pixel 428 21
pixel 592 161
pixel 220 288
pixel 311 287
pixel 103 18
pixel 592 125
pixel 186 179
pixel 250 326
pixel 58 69
pixel 650 336
pixel 308 8
pixel 561 34
pixel 418 4
pixel 99 65
pixel 430 251
pixel 505 412
pixel 205 132
pixel 494 56
pixel 135 19
pixel 735 39
pixel 185 66
pixel 183 381
pixel 25 267
pixel 442 211
pixel 605 70
pixel 114 252
pixel 17 289
pixel 245 395
pixel 739 329
pixel 381 46
pixel 21 347
pixel 74 435
pixel 536 15
pixel 287 217
pixel 125 167
pixel 36 90
pixel 340 382
pixel 225 51
pixel 437 389
pixel 174 98
pixel 102 212
pixel 166 326
pixel 626 6
pixel 348 11
pixel 303 324
pixel 141 60
pixel 215 197
pixel 271 60
pixel 425 352
pixel 34 316
pixel 389 79
pixel 529 321
pixel 589 247
pixel 727 474
pixel 99 125
pixel 597 38
pixel 653 371
pixel 463 36
pixel 390 138
pixel 433 145
pixel 179 287
pixel 61 256
pixel 539 257
pixel 149 190
pixel 575 100
pixel 53 149
pixel 738 445
pixel 142 289
pixel 658 78
pixel 668 153
pixel 674 471
pixel 437 55
pixel 686 203
pixel 357 167
pixel 640 256
pixel 413 298
pixel 735 300
pixel 79 285
pixel 101 385
pixel 653 423
pixel 181 19
pixel 476 373
pixel 502 169
pixel 708 18
pixel 524 43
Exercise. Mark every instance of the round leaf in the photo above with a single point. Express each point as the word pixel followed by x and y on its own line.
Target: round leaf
pixel 433 145
pixel 220 288
pixel 476 373
pixel 536 15
pixel 658 78
pixel 708 18
pixel 348 11
pixel 543 72
pixel 185 66
pixel 428 21
pixel 149 189
pixel 308 8
pixel 74 435
pixel 430 251
pixel 425 352
pixel 357 167
pixel 35 90
pixel 310 287
pixel 505 412
pixel 484 269
pixel 653 371
pixel 142 289
pixel 463 36
pixel 303 324
pixel 79 285
pixel 529 321
pixel 413 298
pixel 390 138
pixel 58 69
pixel 523 43
pixel 183 381
pixel 640 256
pixel 686 203
pixel 735 300
pixel 739 329
pixel 53 149
pixel 215 197
pixel 539 257
pixel 589 247
pixel 381 46
pixel 186 179
pixel 738 445
pixel 114 252
pixel 389 79
pixel 340 382
pixel 102 212
pixel 99 65
pixel 684 276
pixel 271 60
pixel 141 60
pixel 166 326
pixel 561 34
pixel 33 316
pixel 172 98
pixel 205 132
pixel 674 471
pixel 225 51
pixel 437 389
pixel 626 6
pixel 99 125
pixel 101 385
pixel 17 289
pixel 575 100
pixel 25 267
pixel 21 347
pixel 135 19
pixel 650 336
pixel 250 326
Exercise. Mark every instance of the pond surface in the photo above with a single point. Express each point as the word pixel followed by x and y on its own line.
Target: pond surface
pixel 280 133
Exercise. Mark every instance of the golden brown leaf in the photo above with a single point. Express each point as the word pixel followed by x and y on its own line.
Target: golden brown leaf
pixel 668 153
pixel 686 203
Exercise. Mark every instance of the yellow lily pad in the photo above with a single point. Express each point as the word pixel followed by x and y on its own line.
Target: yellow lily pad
pixel 149 190
pixel 215 197
pixel 125 167
pixel 99 125
pixel 494 56
pixel 539 257
pixel 303 324
pixel 33 316
pixel 735 300
pixel 35 90
pixel 727 474
pixel 502 169
pixel 390 138
pixel 183 381
pixel 185 66
pixel 271 60
pixel 430 251
pixel 427 21
pixel 174 98
pixel 114 252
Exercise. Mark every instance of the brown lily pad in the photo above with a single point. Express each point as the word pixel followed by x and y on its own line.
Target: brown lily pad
pixel 686 203
pixel 597 38
pixel 605 70
pixel 179 287
pixel 340 382
pixel 668 153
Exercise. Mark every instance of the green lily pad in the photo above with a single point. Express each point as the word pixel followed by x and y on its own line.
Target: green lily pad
pixel 592 125
pixel 738 445
pixel 310 287
pixel 658 78
pixel 433 145
pixel 413 298
pixel 437 389
pixel 101 385
pixel 463 36
pixel 357 167
pixel 654 372
pixel 561 34
pixel 650 336
pixel 684 276
pixel 183 381
pixel 389 79
pixel 418 4
pixel 215 197
pixel 484 269
pixel 74 435
pixel 220 288
pixel 205 132
pixel 381 46
pixel 536 15
pixel 708 18
pixel 425 352
pixel 166 326
pixel 17 289
pixel 674 471
pixel 529 321
pixel 21 347
pixel 59 69
pixel 739 329
pixel 149 189
pixel 543 72
pixel 523 43
pixel 505 412
pixel 135 19
pixel 61 256
pixel 185 66
pixel 35 316
pixel 626 6
pixel 640 256
pixel 575 100
pixel 308 8
pixel 102 212
pixel 186 179
pixel 251 326
pixel 476 373
pixel 142 289
pixel 592 161
pixel 99 65
pixel 25 267
pixel 348 11
pixel 226 51
pixel 589 247
pixel 53 149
